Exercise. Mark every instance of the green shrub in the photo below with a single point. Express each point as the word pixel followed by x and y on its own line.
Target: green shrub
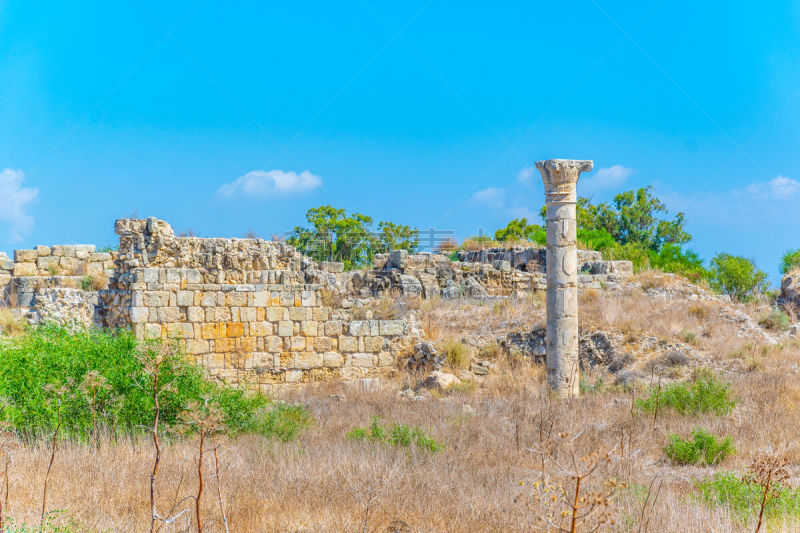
pixel 51 356
pixel 743 497
pixel 775 320
pixel 790 261
pixel 702 448
pixel 737 276
pixel 703 395
pixel 86 283
pixel 395 435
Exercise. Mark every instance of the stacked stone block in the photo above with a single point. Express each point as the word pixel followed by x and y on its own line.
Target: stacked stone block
pixel 262 333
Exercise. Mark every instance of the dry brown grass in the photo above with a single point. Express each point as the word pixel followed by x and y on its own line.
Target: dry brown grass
pixel 481 481
pixel 10 324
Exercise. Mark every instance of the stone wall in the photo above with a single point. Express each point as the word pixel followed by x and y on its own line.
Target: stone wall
pixel 242 307
pixel 255 310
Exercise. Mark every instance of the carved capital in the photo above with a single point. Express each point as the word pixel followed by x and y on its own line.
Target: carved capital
pixel 560 177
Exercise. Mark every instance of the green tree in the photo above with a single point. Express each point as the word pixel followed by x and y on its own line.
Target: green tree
pixel 790 261
pixel 393 236
pixel 336 236
pixel 519 230
pixel 737 276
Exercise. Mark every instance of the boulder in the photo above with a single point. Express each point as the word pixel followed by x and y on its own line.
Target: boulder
pixel 790 292
pixel 440 380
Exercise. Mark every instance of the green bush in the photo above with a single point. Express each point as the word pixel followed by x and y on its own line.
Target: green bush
pixel 703 395
pixel 737 276
pixel 790 261
pixel 775 320
pixel 395 435
pixel 702 448
pixel 50 357
pixel 743 497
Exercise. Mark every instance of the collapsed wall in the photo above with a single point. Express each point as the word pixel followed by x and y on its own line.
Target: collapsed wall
pixel 260 311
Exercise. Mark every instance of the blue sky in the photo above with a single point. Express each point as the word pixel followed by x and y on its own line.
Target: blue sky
pixel 225 117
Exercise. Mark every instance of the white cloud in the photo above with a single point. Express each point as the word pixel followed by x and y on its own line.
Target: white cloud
pixel 14 201
pixel 526 174
pixel 780 188
pixel 490 197
pixel 604 178
pixel 266 184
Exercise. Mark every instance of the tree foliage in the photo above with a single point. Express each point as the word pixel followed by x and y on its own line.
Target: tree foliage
pixel 336 236
pixel 790 261
pixel 737 276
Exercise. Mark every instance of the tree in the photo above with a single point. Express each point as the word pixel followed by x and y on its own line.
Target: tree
pixel 393 236
pixel 336 236
pixel 519 230
pixel 790 261
pixel 737 276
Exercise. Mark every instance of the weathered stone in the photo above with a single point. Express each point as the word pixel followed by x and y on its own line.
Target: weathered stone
pixel 439 380
pixel 25 269
pixel 560 178
pixel 25 256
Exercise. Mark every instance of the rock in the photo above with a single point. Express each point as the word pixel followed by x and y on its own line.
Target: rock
pixel 439 380
pixel 628 378
pixel 406 393
pixel 789 298
pixel 338 397
pixel 619 362
pixel 676 358
pixel 478 370
pixel 794 330
pixel 474 289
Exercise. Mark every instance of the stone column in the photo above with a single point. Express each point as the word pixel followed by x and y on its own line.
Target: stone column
pixel 560 177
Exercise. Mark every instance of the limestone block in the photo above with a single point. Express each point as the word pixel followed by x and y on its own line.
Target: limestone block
pixel 25 269
pixel 274 314
pixel 46 263
pixel 273 344
pixel 81 254
pixel 331 266
pixel 373 344
pixel 391 327
pixel 155 298
pixel 25 256
pixel 225 345
pixel 93 269
pixel 332 359
pixel 195 314
pixel 247 314
pixel 260 329
pixel 185 298
pixel 234 329
pixel 181 330
pixel 5 262
pixel 222 314
pixel 299 313
pixel 168 314
pixel 139 314
pixel 285 328
pixel 320 314
pixel 70 264
pixel 260 299
pixel 193 276
pixel 208 299
pixel 297 343
pixel 5 278
pixel 99 257
pixel 333 328
pixel 196 346
pixel 87 248
pixel 308 299
pixel 152 331
pixel 248 344
pixel 43 250
pixel 173 275
pixel 307 360
pixel 359 328
pixel 211 330
pixel 294 376
pixel 309 328
pixel 236 299
pixel 363 360
pixel 63 251
pixel 322 344
pixel 348 344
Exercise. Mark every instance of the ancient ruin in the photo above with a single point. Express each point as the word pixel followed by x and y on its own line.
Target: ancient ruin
pixel 560 177
pixel 260 312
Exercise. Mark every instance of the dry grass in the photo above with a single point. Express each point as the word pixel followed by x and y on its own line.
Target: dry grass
pixel 10 324
pixel 481 481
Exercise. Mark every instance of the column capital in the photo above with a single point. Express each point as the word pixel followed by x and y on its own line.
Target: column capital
pixel 560 177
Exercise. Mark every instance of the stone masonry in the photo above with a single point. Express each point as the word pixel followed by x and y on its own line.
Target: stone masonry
pixel 259 311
